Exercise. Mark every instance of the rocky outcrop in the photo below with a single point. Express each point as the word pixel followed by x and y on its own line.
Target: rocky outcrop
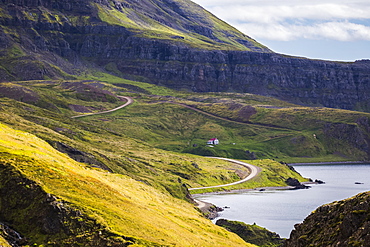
pixel 79 156
pixel 344 223
pixel 252 233
pixel 11 237
pixel 295 183
pixel 79 34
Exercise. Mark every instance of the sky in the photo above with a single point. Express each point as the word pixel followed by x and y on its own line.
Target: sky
pixel 320 29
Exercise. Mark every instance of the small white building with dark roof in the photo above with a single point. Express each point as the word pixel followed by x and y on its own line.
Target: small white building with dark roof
pixel 213 141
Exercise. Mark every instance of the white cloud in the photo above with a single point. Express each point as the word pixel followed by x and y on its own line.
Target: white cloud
pixel 342 31
pixel 272 13
pixel 289 20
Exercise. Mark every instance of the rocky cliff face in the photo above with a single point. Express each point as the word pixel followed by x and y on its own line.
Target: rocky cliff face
pixel 298 80
pixel 192 54
pixel 356 136
pixel 343 223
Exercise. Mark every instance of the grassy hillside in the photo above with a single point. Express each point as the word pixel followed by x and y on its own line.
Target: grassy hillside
pixel 248 126
pixel 243 123
pixel 344 222
pixel 302 133
pixel 121 205
pixel 127 172
pixel 118 153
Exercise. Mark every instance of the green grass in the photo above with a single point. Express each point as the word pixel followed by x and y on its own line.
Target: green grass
pixel 173 127
pixel 268 127
pixel 273 174
pixel 128 207
pixel 112 146
pixel 148 146
pixel 147 27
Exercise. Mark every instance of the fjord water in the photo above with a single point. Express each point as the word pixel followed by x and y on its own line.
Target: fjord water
pixel 280 210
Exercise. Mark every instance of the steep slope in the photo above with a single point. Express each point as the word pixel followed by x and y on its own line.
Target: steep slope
pixel 342 223
pixel 51 199
pixel 178 21
pixel 174 43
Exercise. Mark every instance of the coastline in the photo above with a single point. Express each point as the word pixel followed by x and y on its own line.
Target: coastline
pixel 248 190
pixel 211 210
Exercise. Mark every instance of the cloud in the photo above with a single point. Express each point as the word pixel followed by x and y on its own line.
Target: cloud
pixel 345 20
pixel 341 31
pixel 273 13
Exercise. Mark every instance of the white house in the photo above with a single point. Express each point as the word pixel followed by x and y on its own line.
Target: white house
pixel 213 141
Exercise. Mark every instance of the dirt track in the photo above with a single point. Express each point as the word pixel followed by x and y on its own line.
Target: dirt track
pixel 253 169
pixel 129 101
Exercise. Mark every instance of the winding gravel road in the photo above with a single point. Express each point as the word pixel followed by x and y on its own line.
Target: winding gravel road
pixel 129 101
pixel 253 169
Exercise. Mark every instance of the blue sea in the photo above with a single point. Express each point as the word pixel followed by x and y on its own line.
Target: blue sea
pixel 280 210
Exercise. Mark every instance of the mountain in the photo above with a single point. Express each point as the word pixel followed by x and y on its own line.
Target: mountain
pixel 38 36
pixel 342 223
pixel 175 43
pixel 121 178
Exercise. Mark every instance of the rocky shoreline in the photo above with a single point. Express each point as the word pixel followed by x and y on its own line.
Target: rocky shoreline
pixel 211 211
pixel 305 184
